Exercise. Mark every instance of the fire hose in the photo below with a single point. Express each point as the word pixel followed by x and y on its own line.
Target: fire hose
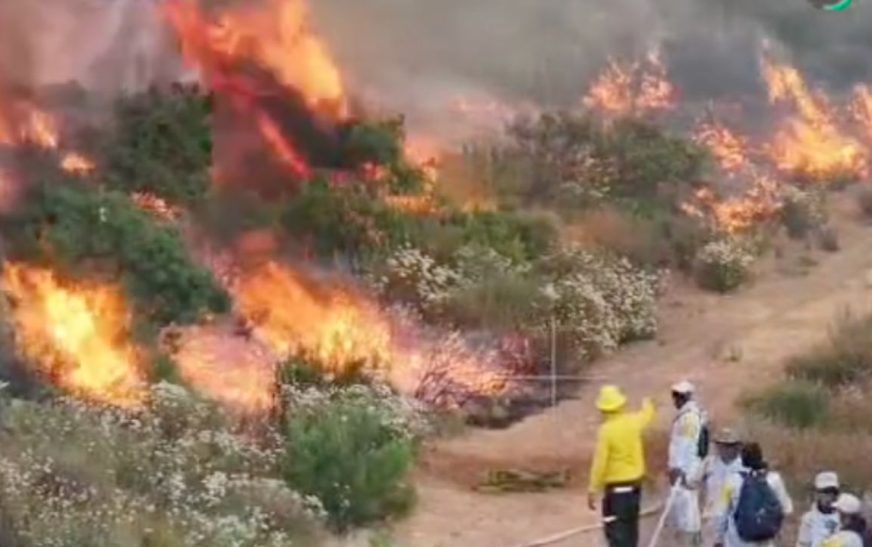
pixel 661 507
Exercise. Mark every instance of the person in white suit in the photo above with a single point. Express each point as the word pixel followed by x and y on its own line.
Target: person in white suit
pixel 684 464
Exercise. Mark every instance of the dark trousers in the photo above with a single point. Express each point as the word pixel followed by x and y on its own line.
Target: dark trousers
pixel 621 504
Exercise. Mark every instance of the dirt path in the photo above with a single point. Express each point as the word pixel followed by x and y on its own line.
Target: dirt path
pixel 723 344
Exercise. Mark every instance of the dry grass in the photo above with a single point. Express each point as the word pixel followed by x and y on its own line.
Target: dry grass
pixel 619 232
pixel 799 455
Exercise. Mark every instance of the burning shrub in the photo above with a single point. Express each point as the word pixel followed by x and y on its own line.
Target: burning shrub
pixel 82 228
pixel 723 265
pixel 161 145
pixel 74 474
pixel 352 449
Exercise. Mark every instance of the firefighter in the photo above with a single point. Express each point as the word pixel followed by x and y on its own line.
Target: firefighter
pixel 618 466
pixel 685 460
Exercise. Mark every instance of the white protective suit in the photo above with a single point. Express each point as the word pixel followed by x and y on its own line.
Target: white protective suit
pixel 817 527
pixel 684 516
pixel 726 524
pixel 712 476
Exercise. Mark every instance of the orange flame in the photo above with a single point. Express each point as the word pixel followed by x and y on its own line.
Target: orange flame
pixel 339 328
pixel 76 334
pixel 226 367
pixel 861 109
pixel 810 143
pixel 335 327
pixel 75 163
pixel 728 148
pixel 736 214
pixel 622 90
pixel 155 205
pixel 275 34
pixel 22 122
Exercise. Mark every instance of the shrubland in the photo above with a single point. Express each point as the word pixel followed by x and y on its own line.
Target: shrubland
pixel 583 219
pixel 819 416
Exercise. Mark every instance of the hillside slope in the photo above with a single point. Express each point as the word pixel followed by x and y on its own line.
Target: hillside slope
pixel 724 344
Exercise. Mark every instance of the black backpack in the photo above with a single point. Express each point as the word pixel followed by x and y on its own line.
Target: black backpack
pixel 703 441
pixel 759 514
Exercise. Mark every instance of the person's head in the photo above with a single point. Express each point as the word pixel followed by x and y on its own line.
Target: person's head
pixel 727 445
pixel 611 401
pixel 849 508
pixel 826 491
pixel 682 392
pixel 752 457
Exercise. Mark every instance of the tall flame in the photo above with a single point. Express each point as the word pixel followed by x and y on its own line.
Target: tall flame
pixel 810 143
pixel 273 35
pixel 76 333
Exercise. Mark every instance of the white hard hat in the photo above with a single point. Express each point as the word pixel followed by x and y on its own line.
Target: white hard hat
pixel 684 388
pixel 848 504
pixel 825 480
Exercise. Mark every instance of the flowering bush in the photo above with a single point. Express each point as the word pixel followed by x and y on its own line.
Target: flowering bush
pixel 600 301
pixel 723 265
pixel 412 276
pixel 803 211
pixel 174 475
pixel 352 448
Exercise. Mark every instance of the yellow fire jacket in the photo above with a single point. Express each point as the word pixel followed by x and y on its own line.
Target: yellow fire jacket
pixel 620 454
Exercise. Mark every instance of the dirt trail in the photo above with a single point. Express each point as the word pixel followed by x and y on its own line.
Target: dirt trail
pixel 723 344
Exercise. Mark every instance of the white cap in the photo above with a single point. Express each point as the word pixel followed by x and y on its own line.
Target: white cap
pixel 684 388
pixel 848 504
pixel 826 479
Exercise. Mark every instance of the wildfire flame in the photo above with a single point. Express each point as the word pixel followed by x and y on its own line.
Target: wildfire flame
pixel 73 162
pixel 336 328
pixel 735 214
pixel 861 108
pixel 231 369
pixel 76 333
pixel 22 122
pixel 728 148
pixel 155 205
pixel 339 328
pixel 809 144
pixel 274 35
pixel 637 88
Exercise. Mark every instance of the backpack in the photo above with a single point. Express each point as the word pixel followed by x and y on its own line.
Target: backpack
pixel 703 441
pixel 759 514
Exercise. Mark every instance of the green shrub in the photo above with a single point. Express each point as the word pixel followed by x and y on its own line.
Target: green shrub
pixel 82 228
pixel 799 405
pixel 844 360
pixel 162 144
pixel 348 453
pixel 723 265
pixel 574 162
pixel 803 212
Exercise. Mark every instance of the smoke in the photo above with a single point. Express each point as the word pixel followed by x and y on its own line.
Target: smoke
pixel 416 56
pixel 106 46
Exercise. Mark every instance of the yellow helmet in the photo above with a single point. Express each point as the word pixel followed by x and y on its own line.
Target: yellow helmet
pixel 610 399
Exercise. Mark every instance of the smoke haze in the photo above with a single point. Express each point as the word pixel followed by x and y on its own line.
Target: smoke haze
pixel 415 56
